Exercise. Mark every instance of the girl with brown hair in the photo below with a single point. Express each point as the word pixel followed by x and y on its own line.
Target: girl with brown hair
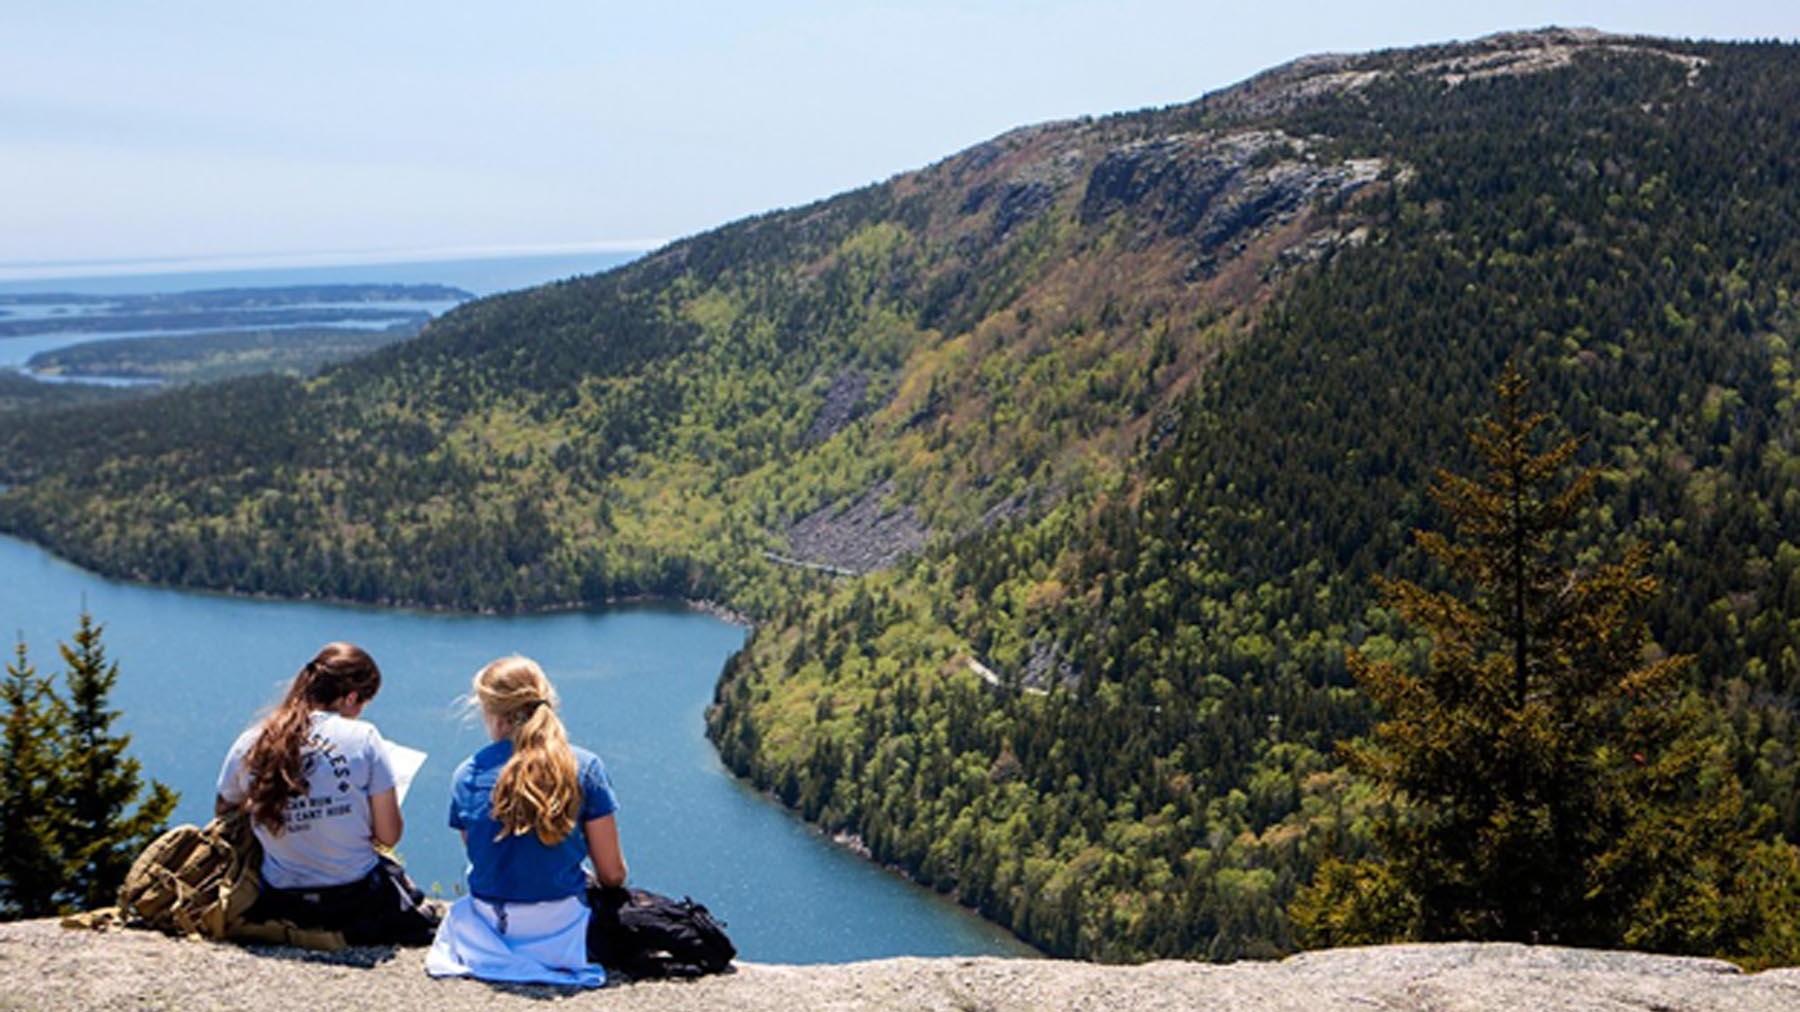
pixel 530 807
pixel 318 785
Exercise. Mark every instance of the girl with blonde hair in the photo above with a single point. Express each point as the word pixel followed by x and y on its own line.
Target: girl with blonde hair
pixel 530 807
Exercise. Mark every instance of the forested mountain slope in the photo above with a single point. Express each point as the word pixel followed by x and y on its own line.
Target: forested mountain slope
pixel 1152 396
pixel 835 383
pixel 1626 227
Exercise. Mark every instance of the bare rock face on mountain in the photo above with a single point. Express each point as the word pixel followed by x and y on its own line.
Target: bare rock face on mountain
pixel 868 532
pixel 46 967
pixel 1218 190
pixel 843 401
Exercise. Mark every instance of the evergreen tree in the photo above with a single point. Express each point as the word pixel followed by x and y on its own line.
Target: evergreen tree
pixel 103 783
pixel 31 782
pixel 1549 778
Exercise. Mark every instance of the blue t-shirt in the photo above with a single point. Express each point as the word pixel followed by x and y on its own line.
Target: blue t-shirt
pixel 521 869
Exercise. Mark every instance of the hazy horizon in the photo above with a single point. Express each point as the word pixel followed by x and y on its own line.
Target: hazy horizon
pixel 209 132
pixel 227 262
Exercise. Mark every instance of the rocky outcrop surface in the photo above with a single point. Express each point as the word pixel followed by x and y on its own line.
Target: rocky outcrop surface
pixel 46 967
pixel 866 533
pixel 1311 79
pixel 1219 190
pixel 1513 53
pixel 843 402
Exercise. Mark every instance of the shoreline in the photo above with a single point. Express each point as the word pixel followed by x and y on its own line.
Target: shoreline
pixel 985 935
pixel 716 609
pixel 853 842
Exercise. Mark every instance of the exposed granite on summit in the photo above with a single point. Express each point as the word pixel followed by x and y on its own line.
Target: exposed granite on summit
pixel 1311 79
pixel 45 967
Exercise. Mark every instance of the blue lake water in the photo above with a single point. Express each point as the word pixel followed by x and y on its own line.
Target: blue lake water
pixel 195 669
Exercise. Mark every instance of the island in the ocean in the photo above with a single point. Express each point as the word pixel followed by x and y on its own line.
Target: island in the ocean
pixel 202 358
pixel 58 312
pixel 140 341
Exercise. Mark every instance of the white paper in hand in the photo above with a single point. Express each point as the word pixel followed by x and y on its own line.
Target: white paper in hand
pixel 406 763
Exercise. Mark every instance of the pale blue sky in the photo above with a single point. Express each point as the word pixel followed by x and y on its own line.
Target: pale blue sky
pixel 244 129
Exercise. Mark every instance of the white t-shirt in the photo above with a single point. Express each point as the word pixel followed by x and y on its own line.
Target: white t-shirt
pixel 326 838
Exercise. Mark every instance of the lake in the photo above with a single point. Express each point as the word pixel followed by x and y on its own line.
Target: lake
pixel 196 668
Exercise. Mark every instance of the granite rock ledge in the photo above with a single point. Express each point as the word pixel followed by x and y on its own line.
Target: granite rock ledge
pixel 43 966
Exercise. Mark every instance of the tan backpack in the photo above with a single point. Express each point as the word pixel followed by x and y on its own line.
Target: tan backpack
pixel 200 880
pixel 194 880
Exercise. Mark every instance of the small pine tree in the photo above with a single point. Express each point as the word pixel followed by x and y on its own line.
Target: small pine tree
pixel 1548 779
pixel 102 782
pixel 31 786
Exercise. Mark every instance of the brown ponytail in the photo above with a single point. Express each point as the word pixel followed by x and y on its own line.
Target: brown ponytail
pixel 539 789
pixel 274 761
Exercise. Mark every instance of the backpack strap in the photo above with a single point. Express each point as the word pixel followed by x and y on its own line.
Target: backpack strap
pixel 103 919
pixel 287 933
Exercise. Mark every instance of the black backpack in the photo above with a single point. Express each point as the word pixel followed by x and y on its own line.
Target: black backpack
pixel 645 935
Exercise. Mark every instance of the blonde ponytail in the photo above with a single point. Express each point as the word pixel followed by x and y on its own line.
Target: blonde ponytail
pixel 539 789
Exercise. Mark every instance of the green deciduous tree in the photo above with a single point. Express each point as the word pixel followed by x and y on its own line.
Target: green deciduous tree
pixel 1551 778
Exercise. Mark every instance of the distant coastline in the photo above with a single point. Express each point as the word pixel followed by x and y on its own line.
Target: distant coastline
pixel 50 270
pixel 479 274
pixel 64 305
